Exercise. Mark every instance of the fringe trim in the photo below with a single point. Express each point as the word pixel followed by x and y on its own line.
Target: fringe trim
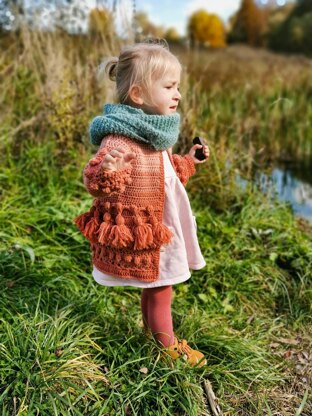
pixel 105 228
pixel 120 235
pixel 161 233
pixel 88 224
pixel 143 234
pixel 113 232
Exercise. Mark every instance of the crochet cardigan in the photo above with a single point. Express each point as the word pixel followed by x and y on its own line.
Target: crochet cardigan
pixel 124 224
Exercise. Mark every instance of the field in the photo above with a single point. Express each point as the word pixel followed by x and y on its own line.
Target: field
pixel 71 347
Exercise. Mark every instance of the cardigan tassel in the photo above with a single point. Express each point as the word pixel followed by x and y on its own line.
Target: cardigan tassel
pixel 92 227
pixel 143 235
pixel 88 223
pixel 105 228
pixel 120 236
pixel 161 233
pixel 81 220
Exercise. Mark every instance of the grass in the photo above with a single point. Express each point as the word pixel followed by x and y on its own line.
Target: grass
pixel 71 347
pixel 249 98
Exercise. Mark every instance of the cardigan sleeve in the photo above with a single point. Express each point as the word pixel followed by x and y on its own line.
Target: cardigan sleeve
pixel 184 166
pixel 100 182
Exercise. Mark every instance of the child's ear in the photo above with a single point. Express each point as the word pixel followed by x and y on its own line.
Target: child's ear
pixel 136 95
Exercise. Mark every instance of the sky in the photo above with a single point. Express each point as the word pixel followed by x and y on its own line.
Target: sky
pixel 176 12
pixel 167 13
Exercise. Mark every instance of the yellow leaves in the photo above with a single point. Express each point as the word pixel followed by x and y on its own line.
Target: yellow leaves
pixel 171 35
pixel 207 29
pixel 248 24
pixel 146 28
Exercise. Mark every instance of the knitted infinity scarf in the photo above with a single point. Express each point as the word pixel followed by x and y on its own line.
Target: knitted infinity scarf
pixel 160 131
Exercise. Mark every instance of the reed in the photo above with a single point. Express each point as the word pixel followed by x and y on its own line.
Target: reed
pixel 71 347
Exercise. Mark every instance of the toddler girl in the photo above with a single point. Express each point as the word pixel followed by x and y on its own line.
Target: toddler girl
pixel 140 226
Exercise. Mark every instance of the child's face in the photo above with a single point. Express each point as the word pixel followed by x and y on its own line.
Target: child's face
pixel 164 94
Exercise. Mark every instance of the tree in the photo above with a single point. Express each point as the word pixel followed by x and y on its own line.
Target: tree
pixel 146 28
pixel 294 34
pixel 11 11
pixel 171 35
pixel 101 22
pixel 302 7
pixel 206 29
pixel 71 15
pixel 68 15
pixel 247 25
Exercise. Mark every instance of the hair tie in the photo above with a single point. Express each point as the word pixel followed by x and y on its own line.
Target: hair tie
pixel 109 67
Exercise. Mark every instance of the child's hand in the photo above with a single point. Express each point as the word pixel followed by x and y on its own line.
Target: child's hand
pixel 117 159
pixel 193 150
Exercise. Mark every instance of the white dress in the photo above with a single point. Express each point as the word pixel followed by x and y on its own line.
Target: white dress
pixel 183 253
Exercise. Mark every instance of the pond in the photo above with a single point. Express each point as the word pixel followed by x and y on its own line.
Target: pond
pixel 292 183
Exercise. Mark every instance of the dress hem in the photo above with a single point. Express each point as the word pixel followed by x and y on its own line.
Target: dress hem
pixel 197 266
pixel 159 283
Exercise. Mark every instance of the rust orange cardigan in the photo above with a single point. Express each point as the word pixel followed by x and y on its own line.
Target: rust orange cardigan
pixel 124 224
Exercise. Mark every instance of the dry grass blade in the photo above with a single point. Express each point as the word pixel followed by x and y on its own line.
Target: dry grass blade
pixel 213 401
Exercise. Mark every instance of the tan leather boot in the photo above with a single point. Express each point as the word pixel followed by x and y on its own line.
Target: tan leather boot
pixel 181 349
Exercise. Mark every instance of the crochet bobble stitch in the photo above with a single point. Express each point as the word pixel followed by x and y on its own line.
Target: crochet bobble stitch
pixel 184 167
pixel 100 227
pixel 124 224
pixel 106 181
pixel 127 259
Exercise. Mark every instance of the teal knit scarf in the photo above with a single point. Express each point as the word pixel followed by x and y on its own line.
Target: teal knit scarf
pixel 160 131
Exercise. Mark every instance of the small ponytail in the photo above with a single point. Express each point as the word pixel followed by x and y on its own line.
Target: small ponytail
pixel 109 66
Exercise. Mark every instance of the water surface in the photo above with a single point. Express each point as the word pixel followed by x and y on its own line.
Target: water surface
pixel 293 184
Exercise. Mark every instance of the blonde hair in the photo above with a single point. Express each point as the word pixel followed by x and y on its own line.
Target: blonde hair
pixel 140 65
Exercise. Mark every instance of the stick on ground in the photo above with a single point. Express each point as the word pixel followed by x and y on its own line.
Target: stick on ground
pixel 213 401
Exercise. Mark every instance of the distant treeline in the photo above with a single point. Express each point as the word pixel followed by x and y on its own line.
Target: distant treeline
pixel 294 34
pixel 285 28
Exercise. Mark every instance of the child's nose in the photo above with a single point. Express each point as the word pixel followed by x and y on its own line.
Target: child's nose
pixel 177 95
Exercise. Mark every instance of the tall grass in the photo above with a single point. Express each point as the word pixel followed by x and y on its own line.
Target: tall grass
pixel 252 99
pixel 71 347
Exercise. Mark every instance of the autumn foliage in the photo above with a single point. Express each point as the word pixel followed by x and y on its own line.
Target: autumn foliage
pixel 294 34
pixel 207 29
pixel 248 24
pixel 146 28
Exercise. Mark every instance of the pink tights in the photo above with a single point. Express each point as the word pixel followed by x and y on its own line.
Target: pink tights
pixel 156 312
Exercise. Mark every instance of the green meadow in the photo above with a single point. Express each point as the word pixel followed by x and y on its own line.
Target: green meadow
pixel 71 347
